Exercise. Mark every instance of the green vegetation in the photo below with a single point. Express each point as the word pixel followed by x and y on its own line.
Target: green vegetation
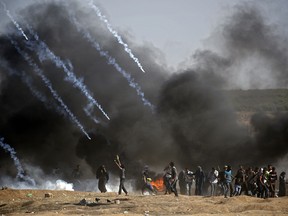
pixel 268 100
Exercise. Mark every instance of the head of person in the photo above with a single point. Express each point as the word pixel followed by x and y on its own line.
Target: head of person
pixel 171 164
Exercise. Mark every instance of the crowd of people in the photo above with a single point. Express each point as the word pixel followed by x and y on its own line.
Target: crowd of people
pixel 259 182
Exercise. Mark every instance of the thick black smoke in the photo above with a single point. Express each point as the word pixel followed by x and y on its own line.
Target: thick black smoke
pixel 47 138
pixel 193 123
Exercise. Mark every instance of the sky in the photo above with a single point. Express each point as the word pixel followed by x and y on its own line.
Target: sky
pixel 176 28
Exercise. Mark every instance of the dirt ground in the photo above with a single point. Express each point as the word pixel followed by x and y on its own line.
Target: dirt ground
pixel 47 203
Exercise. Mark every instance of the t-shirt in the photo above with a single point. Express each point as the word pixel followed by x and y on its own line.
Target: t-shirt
pixel 228 176
pixel 273 177
pixel 213 176
pixel 122 173
pixel 189 176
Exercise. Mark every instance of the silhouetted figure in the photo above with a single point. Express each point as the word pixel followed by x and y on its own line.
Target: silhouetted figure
pixel 147 181
pixel 213 180
pixel 239 181
pixel 272 179
pixel 189 181
pixel 174 178
pixel 76 175
pixel 228 181
pixel 103 177
pixel 282 184
pixel 122 175
pixel 166 179
pixel 199 181
pixel 263 187
pixel 182 183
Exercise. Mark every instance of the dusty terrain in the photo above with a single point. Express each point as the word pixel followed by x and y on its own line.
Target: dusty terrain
pixel 25 202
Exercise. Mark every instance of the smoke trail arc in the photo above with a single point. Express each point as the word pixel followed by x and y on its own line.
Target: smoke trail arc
pixel 20 170
pixel 14 21
pixel 44 53
pixel 26 79
pixel 115 34
pixel 88 110
pixel 112 61
pixel 48 84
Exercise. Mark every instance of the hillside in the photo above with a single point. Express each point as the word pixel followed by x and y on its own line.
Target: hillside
pixel 248 102
pixel 268 100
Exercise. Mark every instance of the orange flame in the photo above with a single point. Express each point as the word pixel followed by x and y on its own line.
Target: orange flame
pixel 158 184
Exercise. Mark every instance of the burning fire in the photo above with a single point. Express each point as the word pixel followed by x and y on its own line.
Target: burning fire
pixel 158 184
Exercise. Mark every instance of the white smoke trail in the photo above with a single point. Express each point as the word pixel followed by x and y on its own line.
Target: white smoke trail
pixel 88 110
pixel 44 53
pixel 28 81
pixel 14 22
pixel 111 61
pixel 115 34
pixel 20 173
pixel 48 84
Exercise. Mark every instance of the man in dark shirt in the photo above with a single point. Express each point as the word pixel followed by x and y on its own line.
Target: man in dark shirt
pixel 174 178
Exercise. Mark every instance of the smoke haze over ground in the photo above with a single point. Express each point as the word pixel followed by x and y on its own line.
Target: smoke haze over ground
pixel 193 123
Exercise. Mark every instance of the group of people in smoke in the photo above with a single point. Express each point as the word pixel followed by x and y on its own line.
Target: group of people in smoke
pixel 103 176
pixel 170 180
pixel 260 182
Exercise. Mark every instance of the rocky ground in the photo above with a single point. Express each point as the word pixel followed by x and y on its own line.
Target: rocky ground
pixel 58 202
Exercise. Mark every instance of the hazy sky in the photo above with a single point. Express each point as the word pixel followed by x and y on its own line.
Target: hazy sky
pixel 177 28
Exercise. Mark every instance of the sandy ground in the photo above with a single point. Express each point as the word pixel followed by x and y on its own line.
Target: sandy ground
pixel 26 202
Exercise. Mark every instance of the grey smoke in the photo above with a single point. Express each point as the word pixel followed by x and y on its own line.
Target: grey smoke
pixel 194 123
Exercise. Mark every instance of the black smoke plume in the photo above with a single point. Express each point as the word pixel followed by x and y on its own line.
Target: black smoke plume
pixel 194 122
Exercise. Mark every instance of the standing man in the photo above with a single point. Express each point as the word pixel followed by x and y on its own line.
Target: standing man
pixel 174 178
pixel 122 175
pixel 166 179
pixel 189 180
pixel 228 181
pixel 147 181
pixel 199 181
pixel 182 182
pixel 213 180
pixel 273 178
